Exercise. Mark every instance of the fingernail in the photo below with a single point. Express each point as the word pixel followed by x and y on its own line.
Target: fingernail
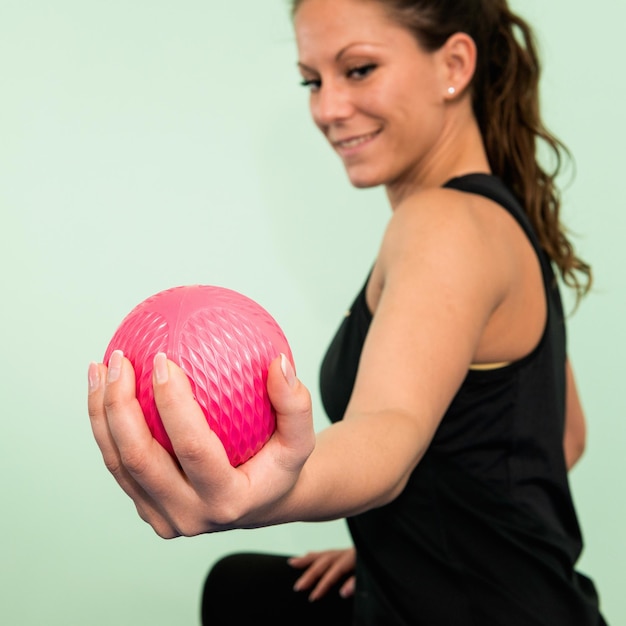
pixel 93 376
pixel 287 369
pixel 161 371
pixel 115 366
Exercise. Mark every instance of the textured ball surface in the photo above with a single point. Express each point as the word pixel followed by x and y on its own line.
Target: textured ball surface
pixel 224 342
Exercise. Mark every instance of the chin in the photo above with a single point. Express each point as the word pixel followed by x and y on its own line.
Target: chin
pixel 365 180
pixel 364 184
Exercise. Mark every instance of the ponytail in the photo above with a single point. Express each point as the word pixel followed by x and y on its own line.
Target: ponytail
pixel 506 105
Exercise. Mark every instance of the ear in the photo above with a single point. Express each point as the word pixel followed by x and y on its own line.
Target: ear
pixel 458 58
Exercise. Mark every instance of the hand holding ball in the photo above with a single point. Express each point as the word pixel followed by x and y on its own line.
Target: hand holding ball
pixel 224 342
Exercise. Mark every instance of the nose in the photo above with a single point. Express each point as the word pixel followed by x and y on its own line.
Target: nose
pixel 330 104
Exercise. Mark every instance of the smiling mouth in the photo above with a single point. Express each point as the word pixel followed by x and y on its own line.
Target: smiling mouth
pixel 353 142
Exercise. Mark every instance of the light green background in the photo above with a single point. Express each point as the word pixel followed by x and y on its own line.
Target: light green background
pixel 150 144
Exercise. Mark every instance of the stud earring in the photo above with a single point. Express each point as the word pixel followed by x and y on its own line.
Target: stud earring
pixel 451 91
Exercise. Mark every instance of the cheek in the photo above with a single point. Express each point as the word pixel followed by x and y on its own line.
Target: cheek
pixel 399 103
pixel 378 102
pixel 314 113
pixel 420 111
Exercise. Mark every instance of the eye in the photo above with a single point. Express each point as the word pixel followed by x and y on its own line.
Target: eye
pixel 362 71
pixel 312 84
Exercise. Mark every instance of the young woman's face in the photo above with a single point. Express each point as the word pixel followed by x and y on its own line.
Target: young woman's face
pixel 375 94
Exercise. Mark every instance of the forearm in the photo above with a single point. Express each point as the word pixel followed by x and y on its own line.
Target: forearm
pixel 359 463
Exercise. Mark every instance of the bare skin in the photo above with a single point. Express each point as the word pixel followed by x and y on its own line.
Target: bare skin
pixel 451 303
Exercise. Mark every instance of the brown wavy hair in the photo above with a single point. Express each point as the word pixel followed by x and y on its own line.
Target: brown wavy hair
pixel 505 92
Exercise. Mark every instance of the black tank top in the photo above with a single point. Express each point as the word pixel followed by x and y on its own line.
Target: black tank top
pixel 485 532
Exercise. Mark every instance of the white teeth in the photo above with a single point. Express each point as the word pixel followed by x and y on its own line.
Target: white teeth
pixel 351 143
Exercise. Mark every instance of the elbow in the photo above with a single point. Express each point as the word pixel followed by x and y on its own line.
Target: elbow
pixel 574 449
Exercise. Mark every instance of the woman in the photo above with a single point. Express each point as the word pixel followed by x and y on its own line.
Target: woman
pixel 454 408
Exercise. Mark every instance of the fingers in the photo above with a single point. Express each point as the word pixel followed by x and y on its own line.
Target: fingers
pixel 115 421
pixel 199 490
pixel 100 428
pixel 323 571
pixel 197 448
pixel 294 418
pixel 137 448
pixel 300 562
pixel 331 577
pixel 348 588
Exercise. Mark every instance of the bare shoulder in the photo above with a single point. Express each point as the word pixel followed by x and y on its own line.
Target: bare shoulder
pixel 466 254
pixel 446 229
pixel 442 212
pixel 436 285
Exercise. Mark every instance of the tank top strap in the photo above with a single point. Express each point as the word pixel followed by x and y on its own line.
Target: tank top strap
pixel 493 188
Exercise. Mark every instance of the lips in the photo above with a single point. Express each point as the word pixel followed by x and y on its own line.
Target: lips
pixel 353 142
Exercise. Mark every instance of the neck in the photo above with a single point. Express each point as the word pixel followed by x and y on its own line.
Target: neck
pixel 460 151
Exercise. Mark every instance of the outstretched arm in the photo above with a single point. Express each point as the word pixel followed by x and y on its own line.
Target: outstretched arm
pixel 435 300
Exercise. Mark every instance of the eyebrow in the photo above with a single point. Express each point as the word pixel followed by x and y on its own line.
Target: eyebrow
pixel 341 53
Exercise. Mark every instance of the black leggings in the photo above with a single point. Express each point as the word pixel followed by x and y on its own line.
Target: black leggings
pixel 258 589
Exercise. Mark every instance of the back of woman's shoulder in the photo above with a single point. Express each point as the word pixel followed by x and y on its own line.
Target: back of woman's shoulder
pixel 441 200
pixel 440 210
